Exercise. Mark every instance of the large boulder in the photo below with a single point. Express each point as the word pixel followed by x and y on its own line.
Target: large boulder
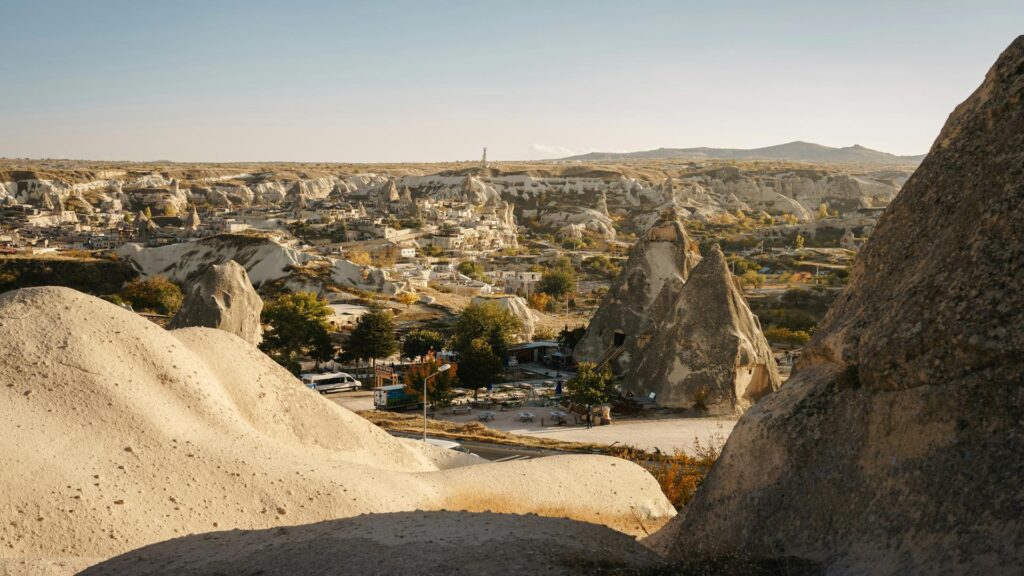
pixel 703 347
pixel 664 253
pixel 223 298
pixel 897 447
pixel 518 308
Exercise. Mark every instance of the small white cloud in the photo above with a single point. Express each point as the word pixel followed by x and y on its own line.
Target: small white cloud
pixel 548 151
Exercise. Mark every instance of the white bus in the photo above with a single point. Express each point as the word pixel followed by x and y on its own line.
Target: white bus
pixel 331 382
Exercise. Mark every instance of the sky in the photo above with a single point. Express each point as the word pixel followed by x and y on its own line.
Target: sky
pixel 437 80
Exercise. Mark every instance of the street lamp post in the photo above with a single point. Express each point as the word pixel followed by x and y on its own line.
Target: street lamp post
pixel 441 368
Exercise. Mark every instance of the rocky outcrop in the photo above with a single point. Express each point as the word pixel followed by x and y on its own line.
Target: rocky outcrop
pixel 111 425
pixel 897 447
pixel 264 259
pixel 518 308
pixel 663 254
pixel 703 348
pixel 222 298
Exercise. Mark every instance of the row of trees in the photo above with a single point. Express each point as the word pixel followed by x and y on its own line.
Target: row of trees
pixel 481 335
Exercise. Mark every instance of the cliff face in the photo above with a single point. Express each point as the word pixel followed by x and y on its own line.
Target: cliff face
pixel 663 254
pixel 703 347
pixel 898 445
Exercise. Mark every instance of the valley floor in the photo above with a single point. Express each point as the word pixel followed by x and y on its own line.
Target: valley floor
pixel 667 434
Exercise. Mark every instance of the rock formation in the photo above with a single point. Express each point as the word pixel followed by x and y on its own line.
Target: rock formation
pixel 662 254
pixel 703 347
pixel 399 544
pixel 116 434
pixel 518 308
pixel 897 447
pixel 222 297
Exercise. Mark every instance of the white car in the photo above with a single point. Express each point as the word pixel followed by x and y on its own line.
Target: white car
pixel 331 382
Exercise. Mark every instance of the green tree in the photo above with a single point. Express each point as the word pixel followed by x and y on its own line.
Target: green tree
pixel 373 336
pixel 157 295
pixel 472 269
pixel 557 282
pixel 297 328
pixel 418 343
pixel 440 388
pixel 488 321
pixel 478 365
pixel 752 278
pixel 590 386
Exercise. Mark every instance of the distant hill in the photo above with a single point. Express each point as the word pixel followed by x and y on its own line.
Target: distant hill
pixel 792 151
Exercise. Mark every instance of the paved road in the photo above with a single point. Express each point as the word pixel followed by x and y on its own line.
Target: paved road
pixel 498 452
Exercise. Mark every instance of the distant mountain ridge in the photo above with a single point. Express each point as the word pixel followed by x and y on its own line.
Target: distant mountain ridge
pixel 793 151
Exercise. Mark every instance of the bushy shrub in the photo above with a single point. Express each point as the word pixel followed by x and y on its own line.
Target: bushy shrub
pixel 157 295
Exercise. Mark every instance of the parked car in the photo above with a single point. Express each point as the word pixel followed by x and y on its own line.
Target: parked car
pixel 331 382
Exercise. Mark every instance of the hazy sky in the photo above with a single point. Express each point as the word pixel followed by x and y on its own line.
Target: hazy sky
pixel 378 81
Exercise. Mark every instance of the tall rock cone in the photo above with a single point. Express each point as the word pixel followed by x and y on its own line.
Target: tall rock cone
pixel 703 347
pixel 223 297
pixel 897 447
pixel 664 253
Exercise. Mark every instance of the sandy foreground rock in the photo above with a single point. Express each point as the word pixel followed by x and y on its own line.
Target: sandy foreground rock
pixel 897 447
pixel 410 543
pixel 117 434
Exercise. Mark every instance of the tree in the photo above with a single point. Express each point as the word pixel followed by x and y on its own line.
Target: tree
pixel 408 298
pixel 360 257
pixel 157 295
pixel 488 321
pixel 297 327
pixel 440 388
pixel 418 343
pixel 478 364
pixel 752 278
pixel 590 386
pixel 472 269
pixel 799 241
pixel 823 210
pixel 557 282
pixel 373 336
pixel 540 301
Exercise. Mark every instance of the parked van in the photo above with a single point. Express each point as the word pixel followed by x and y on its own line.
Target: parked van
pixel 331 382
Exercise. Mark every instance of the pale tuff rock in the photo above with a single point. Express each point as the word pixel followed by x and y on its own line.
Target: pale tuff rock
pixel 703 348
pixel 848 241
pixel 264 260
pixel 574 222
pixel 222 297
pixel 518 308
pixel 664 253
pixel 897 446
pixel 116 434
pixel 369 278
